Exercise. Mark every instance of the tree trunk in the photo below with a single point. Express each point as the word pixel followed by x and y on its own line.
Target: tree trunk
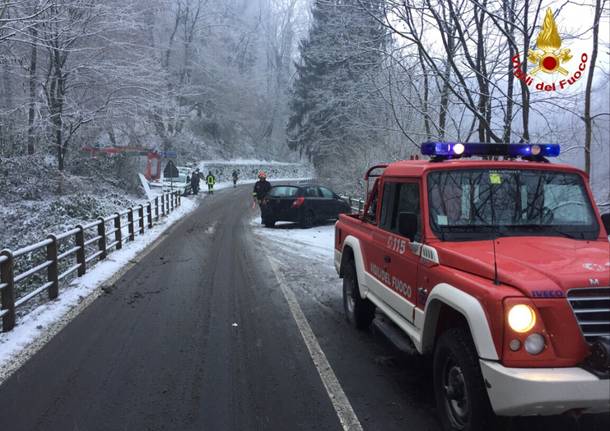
pixel 587 114
pixel 32 104
pixel 509 16
pixel 525 93
pixel 59 144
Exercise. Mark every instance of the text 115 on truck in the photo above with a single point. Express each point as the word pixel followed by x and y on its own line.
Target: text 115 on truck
pixel 497 268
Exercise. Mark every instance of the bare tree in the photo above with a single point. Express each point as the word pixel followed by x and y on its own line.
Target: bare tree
pixel 587 117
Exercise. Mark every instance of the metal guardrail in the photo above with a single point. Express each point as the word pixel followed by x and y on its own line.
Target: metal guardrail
pixel 91 242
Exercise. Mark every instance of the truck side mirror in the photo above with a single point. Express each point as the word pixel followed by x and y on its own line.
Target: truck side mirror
pixel 407 225
pixel 606 222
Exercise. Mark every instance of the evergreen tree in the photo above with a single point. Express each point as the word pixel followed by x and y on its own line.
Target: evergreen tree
pixel 335 107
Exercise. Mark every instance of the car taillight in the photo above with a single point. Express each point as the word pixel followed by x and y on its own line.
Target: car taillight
pixel 298 202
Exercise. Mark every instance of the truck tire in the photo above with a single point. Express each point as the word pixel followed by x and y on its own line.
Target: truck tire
pixel 358 312
pixel 461 397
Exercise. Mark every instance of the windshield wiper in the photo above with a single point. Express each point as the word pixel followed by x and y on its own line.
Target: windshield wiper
pixel 541 228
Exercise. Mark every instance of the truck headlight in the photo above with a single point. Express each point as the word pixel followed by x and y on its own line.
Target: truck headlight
pixel 521 318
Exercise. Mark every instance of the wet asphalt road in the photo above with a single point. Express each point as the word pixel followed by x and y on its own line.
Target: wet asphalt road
pixel 198 336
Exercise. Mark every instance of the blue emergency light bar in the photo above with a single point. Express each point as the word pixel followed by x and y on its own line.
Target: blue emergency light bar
pixel 450 150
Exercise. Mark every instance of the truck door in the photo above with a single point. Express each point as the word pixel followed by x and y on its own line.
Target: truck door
pixel 403 253
pixel 393 263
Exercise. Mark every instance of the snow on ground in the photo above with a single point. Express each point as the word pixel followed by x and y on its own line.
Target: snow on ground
pixel 306 258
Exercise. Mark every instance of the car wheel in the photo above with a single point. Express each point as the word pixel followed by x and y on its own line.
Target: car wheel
pixel 461 397
pixel 358 312
pixel 307 219
pixel 269 222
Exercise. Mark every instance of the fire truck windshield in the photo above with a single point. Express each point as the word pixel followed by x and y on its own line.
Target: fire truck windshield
pixel 477 204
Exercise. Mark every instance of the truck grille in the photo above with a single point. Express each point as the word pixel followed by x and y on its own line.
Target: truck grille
pixel 591 307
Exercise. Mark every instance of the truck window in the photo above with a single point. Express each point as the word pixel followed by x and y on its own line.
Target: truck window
pixel 397 198
pixel 387 205
pixel 408 201
pixel 486 203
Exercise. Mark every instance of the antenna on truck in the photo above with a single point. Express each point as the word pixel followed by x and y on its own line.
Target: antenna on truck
pixel 495 234
pixel 496 281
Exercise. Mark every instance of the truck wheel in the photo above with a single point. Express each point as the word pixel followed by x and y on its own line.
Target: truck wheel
pixel 461 397
pixel 358 312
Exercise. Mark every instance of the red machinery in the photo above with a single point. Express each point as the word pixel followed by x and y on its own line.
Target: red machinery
pixel 153 162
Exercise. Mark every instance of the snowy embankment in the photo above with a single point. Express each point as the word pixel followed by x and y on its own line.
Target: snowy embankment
pixel 305 257
pixel 40 324
pixel 249 169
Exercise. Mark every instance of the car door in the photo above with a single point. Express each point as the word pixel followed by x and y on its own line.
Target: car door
pixel 328 203
pixel 313 201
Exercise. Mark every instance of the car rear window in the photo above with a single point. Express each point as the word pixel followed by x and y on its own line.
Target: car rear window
pixel 283 192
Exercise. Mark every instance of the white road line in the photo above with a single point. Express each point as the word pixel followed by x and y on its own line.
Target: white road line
pixel 341 404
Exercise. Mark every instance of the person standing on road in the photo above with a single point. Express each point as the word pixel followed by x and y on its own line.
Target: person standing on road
pixel 261 188
pixel 235 177
pixel 210 181
pixel 195 178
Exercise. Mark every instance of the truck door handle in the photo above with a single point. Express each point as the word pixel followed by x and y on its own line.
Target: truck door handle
pixel 387 259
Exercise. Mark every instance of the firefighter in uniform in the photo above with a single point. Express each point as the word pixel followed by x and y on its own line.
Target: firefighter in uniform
pixel 210 181
pixel 261 188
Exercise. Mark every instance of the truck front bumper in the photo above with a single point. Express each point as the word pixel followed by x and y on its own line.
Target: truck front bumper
pixel 544 391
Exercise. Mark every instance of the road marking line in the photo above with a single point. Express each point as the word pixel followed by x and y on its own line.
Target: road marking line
pixel 341 404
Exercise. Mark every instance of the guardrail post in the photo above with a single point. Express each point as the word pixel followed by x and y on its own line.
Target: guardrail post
pixel 101 232
pixel 157 208
pixel 79 239
pixel 118 234
pixel 53 269
pixel 141 218
pixel 163 204
pixel 7 295
pixel 149 214
pixel 132 235
pixel 359 205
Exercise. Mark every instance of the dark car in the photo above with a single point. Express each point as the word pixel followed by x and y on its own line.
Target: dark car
pixel 304 204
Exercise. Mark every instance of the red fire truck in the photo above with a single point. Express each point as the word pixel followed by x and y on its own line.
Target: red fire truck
pixel 498 270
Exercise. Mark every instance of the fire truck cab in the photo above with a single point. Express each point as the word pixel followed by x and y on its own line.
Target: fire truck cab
pixel 498 270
